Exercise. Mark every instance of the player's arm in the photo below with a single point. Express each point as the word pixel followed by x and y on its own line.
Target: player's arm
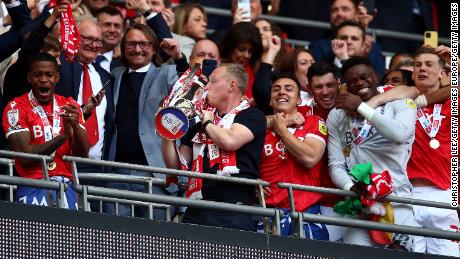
pixel 396 93
pixel 337 163
pixel 229 139
pixel 21 142
pixel 397 128
pixel 307 152
pixel 170 155
pixel 403 91
pixel 439 96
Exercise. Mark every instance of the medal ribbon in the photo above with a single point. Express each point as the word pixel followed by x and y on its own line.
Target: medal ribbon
pixel 49 131
pixel 430 128
pixel 365 130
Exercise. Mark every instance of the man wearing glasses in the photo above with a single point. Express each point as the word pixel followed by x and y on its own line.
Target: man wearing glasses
pixel 138 88
pixel 82 79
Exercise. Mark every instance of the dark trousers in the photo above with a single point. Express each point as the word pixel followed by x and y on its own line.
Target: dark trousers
pixel 216 218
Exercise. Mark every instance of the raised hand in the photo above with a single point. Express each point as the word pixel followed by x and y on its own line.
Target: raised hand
pixel 365 16
pixel 93 102
pixel 140 5
pixel 240 15
pixel 171 47
pixel 169 17
pixel 444 52
pixel 339 48
pixel 274 46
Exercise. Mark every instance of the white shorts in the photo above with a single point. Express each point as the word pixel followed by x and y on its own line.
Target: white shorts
pixel 403 215
pixel 335 232
pixel 436 218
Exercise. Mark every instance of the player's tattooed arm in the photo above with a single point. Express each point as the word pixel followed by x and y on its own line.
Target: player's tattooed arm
pixel 21 142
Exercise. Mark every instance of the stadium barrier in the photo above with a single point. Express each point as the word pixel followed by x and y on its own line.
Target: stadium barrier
pixel 178 201
pixel 365 224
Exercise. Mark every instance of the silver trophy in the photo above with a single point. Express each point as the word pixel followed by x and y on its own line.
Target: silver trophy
pixel 172 120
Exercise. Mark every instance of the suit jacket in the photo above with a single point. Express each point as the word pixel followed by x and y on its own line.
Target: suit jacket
pixel 69 82
pixel 156 85
pixel 10 41
pixel 69 85
pixel 322 52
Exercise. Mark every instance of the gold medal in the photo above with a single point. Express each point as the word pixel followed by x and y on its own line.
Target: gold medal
pixel 52 165
pixel 346 150
pixel 434 143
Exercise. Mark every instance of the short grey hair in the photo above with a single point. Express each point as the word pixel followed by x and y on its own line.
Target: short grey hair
pixel 238 73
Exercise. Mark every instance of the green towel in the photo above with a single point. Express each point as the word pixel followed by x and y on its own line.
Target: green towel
pixel 349 207
pixel 362 172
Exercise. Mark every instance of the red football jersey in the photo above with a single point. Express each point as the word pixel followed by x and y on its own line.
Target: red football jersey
pixel 322 166
pixel 428 163
pixel 277 165
pixel 19 116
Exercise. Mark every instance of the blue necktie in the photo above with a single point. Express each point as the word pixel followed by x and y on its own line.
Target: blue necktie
pixel 99 59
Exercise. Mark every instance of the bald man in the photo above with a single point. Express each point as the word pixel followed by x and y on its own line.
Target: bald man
pixel 204 49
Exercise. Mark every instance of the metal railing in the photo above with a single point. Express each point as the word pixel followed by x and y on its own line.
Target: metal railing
pixel 326 26
pixel 9 163
pixel 390 198
pixel 90 192
pixel 365 224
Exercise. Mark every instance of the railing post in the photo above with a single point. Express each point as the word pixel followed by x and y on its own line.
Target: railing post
pixel 85 198
pixel 299 225
pixel 167 213
pixel 260 190
pixel 60 196
pixel 45 169
pixel 150 183
pixel 11 187
pixel 276 225
pixel 76 181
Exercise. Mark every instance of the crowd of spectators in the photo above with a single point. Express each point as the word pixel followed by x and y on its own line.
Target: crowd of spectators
pixel 330 114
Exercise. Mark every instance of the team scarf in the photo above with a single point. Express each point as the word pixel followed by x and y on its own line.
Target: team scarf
pixel 50 131
pixel 430 128
pixel 70 37
pixel 226 160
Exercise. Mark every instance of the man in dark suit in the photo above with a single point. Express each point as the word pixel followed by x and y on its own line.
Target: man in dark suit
pixel 137 91
pixel 10 41
pixel 82 78
pixel 111 22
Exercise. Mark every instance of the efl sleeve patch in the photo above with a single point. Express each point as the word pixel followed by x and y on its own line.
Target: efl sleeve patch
pixel 322 127
pixel 411 104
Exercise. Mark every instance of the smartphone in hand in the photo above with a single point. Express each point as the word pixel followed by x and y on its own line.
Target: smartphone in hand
pixel 208 66
pixel 431 38
pixel 246 6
